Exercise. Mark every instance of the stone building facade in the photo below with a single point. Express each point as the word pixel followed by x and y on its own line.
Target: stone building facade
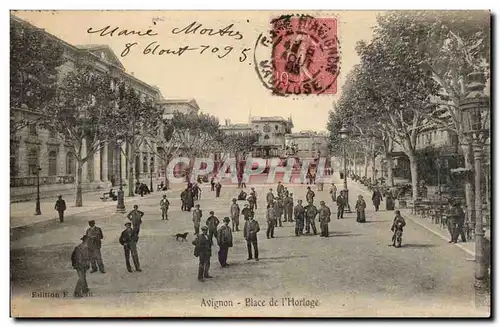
pixel 34 149
pixel 307 144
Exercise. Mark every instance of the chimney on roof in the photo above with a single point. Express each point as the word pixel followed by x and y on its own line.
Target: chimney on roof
pixel 228 122
pixel 132 73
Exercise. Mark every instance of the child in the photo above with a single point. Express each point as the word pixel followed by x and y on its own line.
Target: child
pixel 398 222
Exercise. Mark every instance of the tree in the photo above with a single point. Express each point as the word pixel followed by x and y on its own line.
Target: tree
pixel 135 118
pixel 79 112
pixel 450 44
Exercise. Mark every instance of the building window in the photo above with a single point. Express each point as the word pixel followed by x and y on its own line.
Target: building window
pixel 70 164
pixel 266 137
pixel 33 162
pixel 266 129
pixel 276 127
pixel 52 134
pixel 52 163
pixel 152 163
pixel 32 130
pixel 145 164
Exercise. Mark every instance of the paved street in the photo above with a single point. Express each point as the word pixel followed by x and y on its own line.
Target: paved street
pixel 352 273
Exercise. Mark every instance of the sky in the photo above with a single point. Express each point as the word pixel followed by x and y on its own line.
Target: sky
pixel 224 87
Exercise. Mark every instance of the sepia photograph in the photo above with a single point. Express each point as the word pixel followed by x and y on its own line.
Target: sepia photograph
pixel 291 164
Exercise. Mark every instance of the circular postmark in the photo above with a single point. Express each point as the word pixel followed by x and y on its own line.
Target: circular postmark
pixel 300 56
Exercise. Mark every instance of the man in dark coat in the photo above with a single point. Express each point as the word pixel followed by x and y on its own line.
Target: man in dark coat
pixel 235 215
pixel 389 201
pixel 279 189
pixel 212 184
pixel 203 250
pixel 324 219
pixel 189 199
pixel 310 195
pixel 225 241
pixel 250 234
pixel 246 212
pixel 376 198
pixel 81 263
pixel 299 212
pixel 311 212
pixel 288 207
pixel 183 200
pixel 94 235
pixel 341 204
pixel 270 197
pixel 252 199
pixel 128 239
pixel 456 219
pixel 278 211
pixel 197 214
pixel 212 223
pixel 135 216
pixel 60 207
pixel 218 187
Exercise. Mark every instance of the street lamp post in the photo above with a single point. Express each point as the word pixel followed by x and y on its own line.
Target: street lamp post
pixel 151 176
pixel 475 110
pixel 120 207
pixel 343 135
pixel 38 211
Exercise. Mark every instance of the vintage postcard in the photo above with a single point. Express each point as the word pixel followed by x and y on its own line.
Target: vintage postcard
pixel 250 163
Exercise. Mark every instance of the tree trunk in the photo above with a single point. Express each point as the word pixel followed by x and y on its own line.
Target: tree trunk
pixel 373 168
pixel 414 174
pixel 390 176
pixel 355 165
pixel 366 164
pixel 131 164
pixel 78 184
pixel 469 186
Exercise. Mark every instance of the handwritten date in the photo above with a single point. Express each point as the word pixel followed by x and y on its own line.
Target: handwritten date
pixel 155 49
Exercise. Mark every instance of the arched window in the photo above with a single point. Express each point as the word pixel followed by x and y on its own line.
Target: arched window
pixel 276 127
pixel 145 167
pixel 266 129
pixel 266 137
pixel 52 163
pixel 70 162
pixel 32 162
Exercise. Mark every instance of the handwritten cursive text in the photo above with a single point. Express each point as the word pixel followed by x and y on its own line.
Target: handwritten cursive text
pixel 195 27
pixel 120 32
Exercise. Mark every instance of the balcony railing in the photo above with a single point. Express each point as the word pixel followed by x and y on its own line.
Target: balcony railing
pixel 44 180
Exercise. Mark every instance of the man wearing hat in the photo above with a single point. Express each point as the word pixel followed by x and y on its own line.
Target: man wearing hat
pixel 203 250
pixel 135 217
pixel 288 207
pixel 60 207
pixel 164 205
pixel 270 197
pixel 128 239
pixel 212 223
pixel 250 234
pixel 252 199
pixel 197 213
pixel 310 195
pixel 81 263
pixel 235 215
pixel 225 241
pixel 246 212
pixel 324 219
pixel 95 236
pixel 300 213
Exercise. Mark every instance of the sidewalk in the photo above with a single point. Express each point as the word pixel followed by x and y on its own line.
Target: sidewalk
pixel 23 213
pixel 468 247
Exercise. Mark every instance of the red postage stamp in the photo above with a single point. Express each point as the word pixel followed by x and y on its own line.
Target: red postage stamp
pixel 305 55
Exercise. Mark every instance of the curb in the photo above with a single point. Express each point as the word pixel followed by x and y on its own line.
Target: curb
pixel 416 221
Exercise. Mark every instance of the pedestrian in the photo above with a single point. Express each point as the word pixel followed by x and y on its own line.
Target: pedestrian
pixel 212 223
pixel 333 192
pixel 197 214
pixel 397 220
pixel 242 196
pixel 286 192
pixel 81 263
pixel 270 197
pixel 389 201
pixel 310 195
pixel 299 212
pixel 324 219
pixel 189 198
pixel 225 241
pixel 212 184
pixel 456 219
pixel 360 210
pixel 376 198
pixel 164 205
pixel 246 212
pixel 128 239
pixel 278 211
pixel 218 187
pixel 271 220
pixel 341 203
pixel 183 200
pixel 279 189
pixel 253 199
pixel 288 207
pixel 135 216
pixel 250 234
pixel 235 215
pixel 60 207
pixel 94 237
pixel 203 250
pixel 311 212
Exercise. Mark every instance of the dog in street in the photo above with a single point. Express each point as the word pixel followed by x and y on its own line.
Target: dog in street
pixel 181 236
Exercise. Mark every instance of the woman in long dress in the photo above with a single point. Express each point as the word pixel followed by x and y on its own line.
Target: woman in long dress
pixel 389 201
pixel 360 210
